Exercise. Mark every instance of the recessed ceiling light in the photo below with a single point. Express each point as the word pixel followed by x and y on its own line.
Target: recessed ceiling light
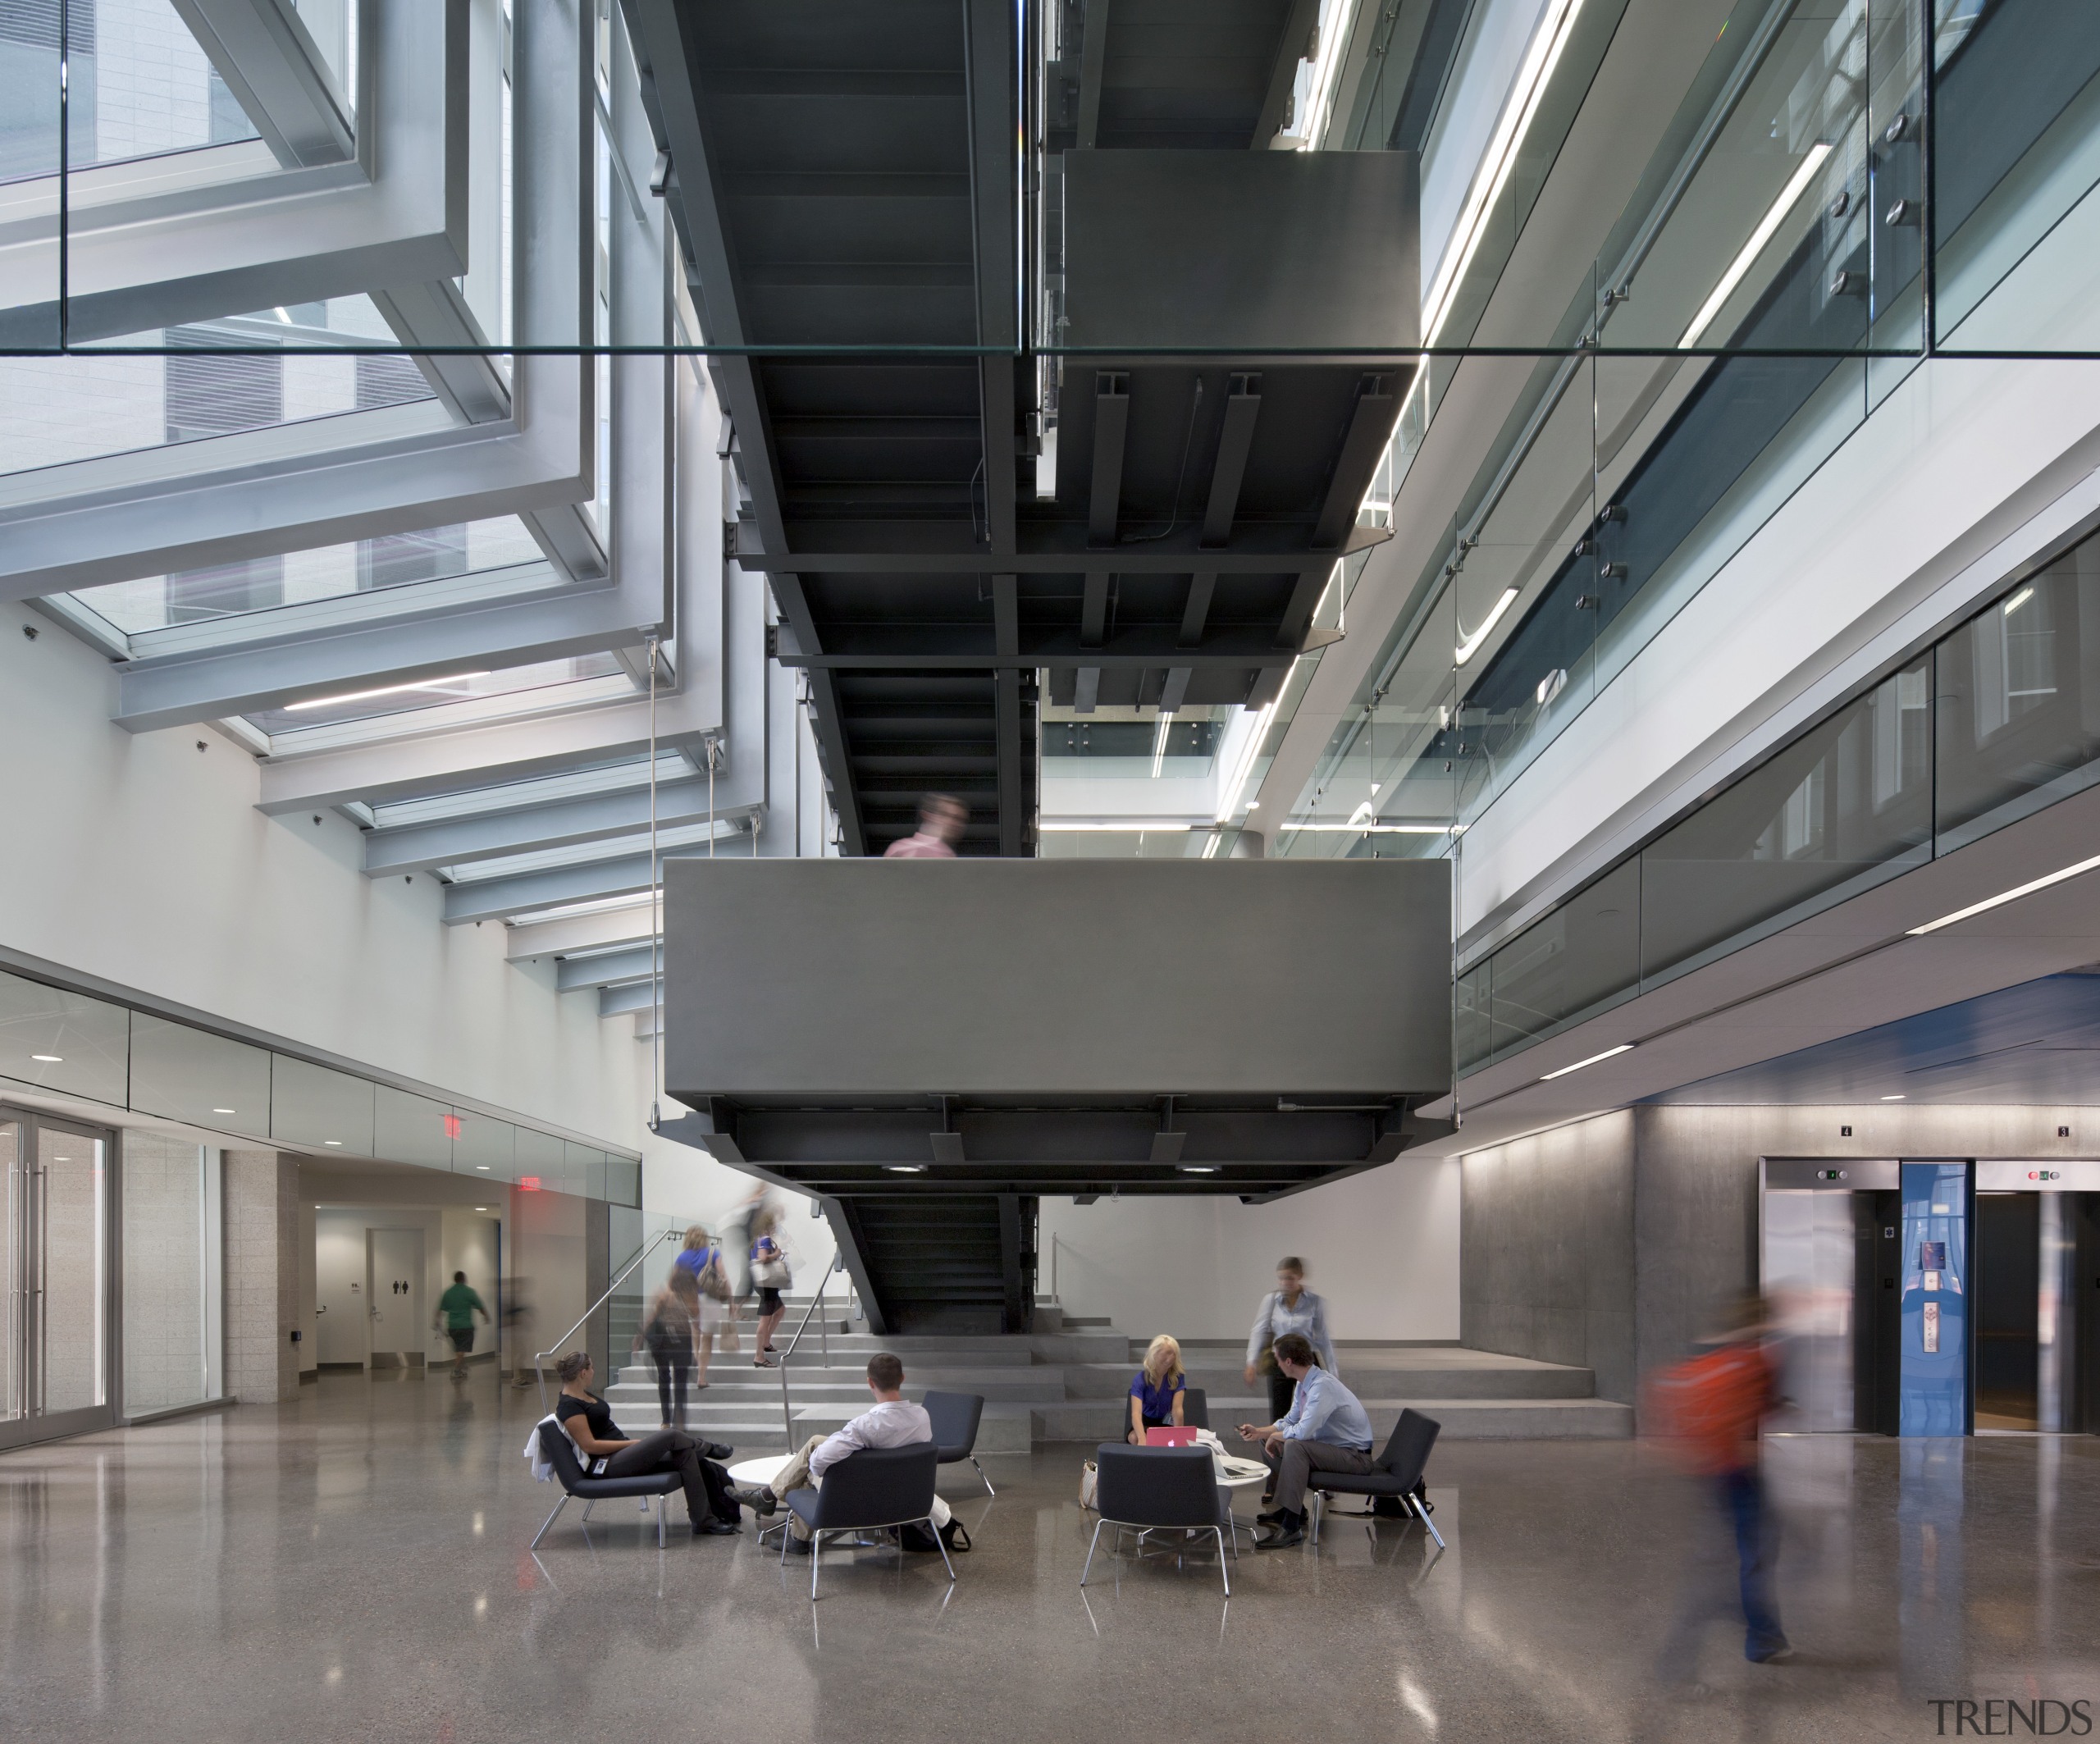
pixel 2005 896
pixel 1198 1168
pixel 49 1059
pixel 332 1141
pixel 1623 1047
pixel 906 1168
pixel 1892 1098
pixel 485 1207
pixel 225 1111
pixel 61 1159
pixel 482 1166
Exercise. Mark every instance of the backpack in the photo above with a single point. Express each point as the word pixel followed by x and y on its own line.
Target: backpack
pixel 1711 1406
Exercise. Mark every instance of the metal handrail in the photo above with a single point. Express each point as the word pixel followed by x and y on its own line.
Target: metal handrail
pixel 786 1412
pixel 538 1357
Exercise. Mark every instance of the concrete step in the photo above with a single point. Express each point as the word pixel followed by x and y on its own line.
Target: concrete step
pixel 1390 1377
pixel 830 1386
pixel 1462 1419
pixel 1006 1427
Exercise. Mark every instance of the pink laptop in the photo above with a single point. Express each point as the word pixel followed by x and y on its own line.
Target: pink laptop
pixel 1170 1437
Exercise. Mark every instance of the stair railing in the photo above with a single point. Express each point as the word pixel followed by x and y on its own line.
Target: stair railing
pixel 540 1357
pixel 786 1410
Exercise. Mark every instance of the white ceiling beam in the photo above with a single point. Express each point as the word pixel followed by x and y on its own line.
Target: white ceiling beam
pixel 630 924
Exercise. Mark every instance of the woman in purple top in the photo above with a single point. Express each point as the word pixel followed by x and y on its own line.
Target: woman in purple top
pixel 1158 1393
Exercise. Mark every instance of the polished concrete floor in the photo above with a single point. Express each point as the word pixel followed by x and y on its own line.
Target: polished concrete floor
pixel 353 1566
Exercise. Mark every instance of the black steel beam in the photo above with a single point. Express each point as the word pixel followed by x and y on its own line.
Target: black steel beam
pixel 1283 71
pixel 1370 428
pixel 988 26
pixel 1111 422
pixel 1243 406
pixel 931 548
pixel 1202 585
pixel 1093 58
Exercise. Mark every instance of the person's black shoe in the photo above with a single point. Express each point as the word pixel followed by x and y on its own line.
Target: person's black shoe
pixel 711 1527
pixel 719 1451
pixel 1271 1518
pixel 797 1546
pixel 758 1499
pixel 1281 1536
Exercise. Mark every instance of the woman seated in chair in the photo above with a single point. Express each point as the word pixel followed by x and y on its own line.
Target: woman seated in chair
pixel 1158 1393
pixel 712 1504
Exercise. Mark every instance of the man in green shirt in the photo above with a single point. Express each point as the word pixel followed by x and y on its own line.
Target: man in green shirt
pixel 456 1310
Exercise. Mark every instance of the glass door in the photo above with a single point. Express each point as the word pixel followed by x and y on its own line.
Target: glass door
pixel 55 1279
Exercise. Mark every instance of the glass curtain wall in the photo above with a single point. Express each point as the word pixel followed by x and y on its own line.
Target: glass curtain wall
pixel 1999 718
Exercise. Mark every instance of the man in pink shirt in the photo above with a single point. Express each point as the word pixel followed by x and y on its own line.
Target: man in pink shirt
pixel 941 818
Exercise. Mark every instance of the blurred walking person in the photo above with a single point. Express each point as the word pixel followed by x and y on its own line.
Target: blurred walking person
pixel 942 817
pixel 669 1327
pixel 456 1310
pixel 771 1273
pixel 1290 1308
pixel 1711 1407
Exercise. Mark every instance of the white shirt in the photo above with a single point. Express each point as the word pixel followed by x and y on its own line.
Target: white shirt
pixel 891 1423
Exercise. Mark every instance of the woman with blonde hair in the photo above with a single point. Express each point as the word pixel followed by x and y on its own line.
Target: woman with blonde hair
pixel 1157 1393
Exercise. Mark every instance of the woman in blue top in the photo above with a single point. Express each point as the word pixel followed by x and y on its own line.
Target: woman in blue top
pixel 1157 1393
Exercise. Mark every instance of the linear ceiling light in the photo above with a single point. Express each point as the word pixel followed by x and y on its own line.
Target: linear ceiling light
pixel 1100 825
pixel 1772 220
pixel 1244 765
pixel 2016 601
pixel 1623 1047
pixel 1497 161
pixel 1469 646
pixel 2005 896
pixel 385 690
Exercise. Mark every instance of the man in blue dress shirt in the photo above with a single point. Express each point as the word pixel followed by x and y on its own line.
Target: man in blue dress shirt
pixel 1326 1429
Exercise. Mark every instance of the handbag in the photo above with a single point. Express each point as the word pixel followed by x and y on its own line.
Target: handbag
pixel 713 1284
pixel 1089 1484
pixel 772 1274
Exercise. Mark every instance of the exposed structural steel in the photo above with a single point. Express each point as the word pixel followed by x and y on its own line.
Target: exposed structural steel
pixel 850 177
pixel 913 1041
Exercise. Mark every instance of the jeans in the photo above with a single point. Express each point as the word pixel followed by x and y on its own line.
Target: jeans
pixel 1744 1518
pixel 706 1484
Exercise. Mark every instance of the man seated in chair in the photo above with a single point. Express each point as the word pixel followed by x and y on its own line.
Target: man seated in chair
pixel 892 1420
pixel 1327 1429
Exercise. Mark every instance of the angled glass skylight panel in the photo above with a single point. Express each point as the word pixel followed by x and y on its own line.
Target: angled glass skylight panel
pixel 275 587
pixel 517 795
pixel 460 698
pixel 586 853
pixel 55 411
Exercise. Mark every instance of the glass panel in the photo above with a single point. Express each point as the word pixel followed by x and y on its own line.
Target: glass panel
pixel 2017 726
pixel 1843 807
pixel 583 1171
pixel 486 1146
pixel 170 1220
pixel 2016 158
pixel 538 1158
pixel 68 1214
pixel 312 1105
pixel 623 1181
pixel 139 86
pixel 412 1128
pixel 544 678
pixel 61 1041
pixel 29 162
pixel 15 1183
pixel 1472 1037
pixel 204 1079
pixel 1581 954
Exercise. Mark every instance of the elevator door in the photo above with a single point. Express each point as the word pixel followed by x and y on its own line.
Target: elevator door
pixel 2008 1286
pixel 1831 1268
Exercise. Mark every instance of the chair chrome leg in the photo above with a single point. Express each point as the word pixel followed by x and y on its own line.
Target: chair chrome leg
pixel 816 1556
pixel 982 1478
pixel 1096 1539
pixel 544 1530
pixel 1421 1514
pixel 943 1544
pixel 588 1507
pixel 1218 1532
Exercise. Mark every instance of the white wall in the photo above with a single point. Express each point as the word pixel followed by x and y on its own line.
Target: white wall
pixel 142 859
pixel 1382 1247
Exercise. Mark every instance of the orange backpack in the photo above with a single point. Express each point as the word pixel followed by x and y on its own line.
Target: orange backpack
pixel 1711 1406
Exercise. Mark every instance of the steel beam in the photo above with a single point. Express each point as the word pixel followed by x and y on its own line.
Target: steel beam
pixel 493 898
pixel 600 817
pixel 901 647
pixel 262 51
pixel 172 690
pixel 1236 440
pixel 1283 71
pixel 609 969
pixel 989 25
pixel 1196 613
pixel 1370 423
pixel 1111 420
pixel 613 926
pixel 1094 60
pixel 638 997
pixel 927 549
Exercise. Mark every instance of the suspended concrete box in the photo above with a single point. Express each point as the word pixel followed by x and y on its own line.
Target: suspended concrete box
pixel 1026 1026
pixel 1246 252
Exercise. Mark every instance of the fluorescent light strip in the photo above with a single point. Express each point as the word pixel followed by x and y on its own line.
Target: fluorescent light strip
pixel 1623 1047
pixel 1772 220
pixel 1469 646
pixel 1076 826
pixel 1244 764
pixel 2005 896
pixel 385 690
pixel 2016 602
pixel 1159 745
pixel 1372 829
pixel 1496 162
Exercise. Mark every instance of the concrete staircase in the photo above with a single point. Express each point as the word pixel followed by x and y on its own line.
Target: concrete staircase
pixel 1067 1381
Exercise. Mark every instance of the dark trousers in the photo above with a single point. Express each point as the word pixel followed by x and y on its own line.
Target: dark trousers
pixel 1283 1392
pixel 674 1369
pixel 706 1484
pixel 1742 1499
pixel 1741 1523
